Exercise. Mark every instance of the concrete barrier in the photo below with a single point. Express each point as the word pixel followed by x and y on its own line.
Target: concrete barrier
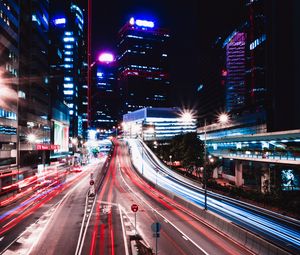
pixel 251 241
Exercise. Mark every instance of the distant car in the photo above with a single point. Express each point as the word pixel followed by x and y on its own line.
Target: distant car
pixel 76 169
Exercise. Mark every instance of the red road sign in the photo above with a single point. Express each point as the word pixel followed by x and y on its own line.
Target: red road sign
pixel 134 207
pixel 92 182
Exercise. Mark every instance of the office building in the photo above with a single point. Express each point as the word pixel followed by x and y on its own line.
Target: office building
pixel 283 66
pixel 68 24
pixel 255 74
pixel 9 73
pixel 157 124
pixel 34 92
pixel 143 65
pixel 235 46
pixel 105 99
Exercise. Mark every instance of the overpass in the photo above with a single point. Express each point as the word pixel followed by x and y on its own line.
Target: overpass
pixel 269 154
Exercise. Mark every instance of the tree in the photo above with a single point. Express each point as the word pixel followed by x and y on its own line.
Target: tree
pixel 188 149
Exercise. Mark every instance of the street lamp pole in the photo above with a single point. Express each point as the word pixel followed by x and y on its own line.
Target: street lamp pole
pixel 142 134
pixel 204 169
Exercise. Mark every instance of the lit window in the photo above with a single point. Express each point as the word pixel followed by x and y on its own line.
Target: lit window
pixel 68 92
pixel 68 52
pixel 68 85
pixel 68 39
pixel 68 65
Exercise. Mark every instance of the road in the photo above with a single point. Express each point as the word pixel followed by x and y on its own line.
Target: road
pixel 181 232
pixel 47 220
pixel 70 222
pixel 280 230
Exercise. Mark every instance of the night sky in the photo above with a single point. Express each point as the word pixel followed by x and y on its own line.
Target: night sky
pixel 194 26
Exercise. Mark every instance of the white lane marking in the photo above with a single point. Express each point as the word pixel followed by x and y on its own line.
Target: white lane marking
pixel 165 221
pixel 123 230
pixel 177 228
pixel 1 238
pixel 81 228
pixel 184 237
pixel 86 227
pixel 52 215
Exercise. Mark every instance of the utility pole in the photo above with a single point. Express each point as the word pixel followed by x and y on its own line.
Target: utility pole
pixel 205 170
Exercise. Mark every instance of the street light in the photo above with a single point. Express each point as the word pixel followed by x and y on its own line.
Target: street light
pixel 170 156
pixel 186 117
pixel 223 118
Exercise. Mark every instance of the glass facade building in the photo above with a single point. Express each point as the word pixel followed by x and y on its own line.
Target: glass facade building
pixel 69 65
pixel 9 72
pixel 235 67
pixel 34 88
pixel 143 65
pixel 159 124
pixel 105 99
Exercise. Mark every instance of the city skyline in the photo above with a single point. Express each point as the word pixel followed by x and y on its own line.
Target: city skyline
pixel 193 27
pixel 172 128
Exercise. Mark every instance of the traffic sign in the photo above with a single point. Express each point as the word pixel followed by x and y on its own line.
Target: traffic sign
pixel 134 207
pixel 92 182
pixel 156 226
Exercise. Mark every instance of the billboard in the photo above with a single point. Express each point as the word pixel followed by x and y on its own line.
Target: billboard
pixel 290 179
pixel 61 136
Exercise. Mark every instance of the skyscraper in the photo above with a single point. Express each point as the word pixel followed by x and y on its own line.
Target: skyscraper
pixel 9 72
pixel 34 94
pixel 105 101
pixel 68 34
pixel 283 65
pixel 143 74
pixel 235 67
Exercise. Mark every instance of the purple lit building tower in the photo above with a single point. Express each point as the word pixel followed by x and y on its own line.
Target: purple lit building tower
pixel 143 75
pixel 235 65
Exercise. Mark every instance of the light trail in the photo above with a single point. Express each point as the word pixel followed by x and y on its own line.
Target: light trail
pixel 271 229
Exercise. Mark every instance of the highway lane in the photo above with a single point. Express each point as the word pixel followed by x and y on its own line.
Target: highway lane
pixel 182 233
pixel 280 230
pixel 31 221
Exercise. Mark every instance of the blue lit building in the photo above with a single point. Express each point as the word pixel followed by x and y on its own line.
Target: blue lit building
pixel 157 124
pixel 9 71
pixel 68 32
pixel 143 65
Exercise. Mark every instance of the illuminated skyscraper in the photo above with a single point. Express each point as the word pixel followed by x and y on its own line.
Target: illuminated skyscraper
pixel 143 65
pixel 9 71
pixel 235 64
pixel 34 91
pixel 68 41
pixel 105 101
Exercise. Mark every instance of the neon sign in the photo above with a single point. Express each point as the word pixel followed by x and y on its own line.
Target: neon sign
pixel 106 57
pixel 141 23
